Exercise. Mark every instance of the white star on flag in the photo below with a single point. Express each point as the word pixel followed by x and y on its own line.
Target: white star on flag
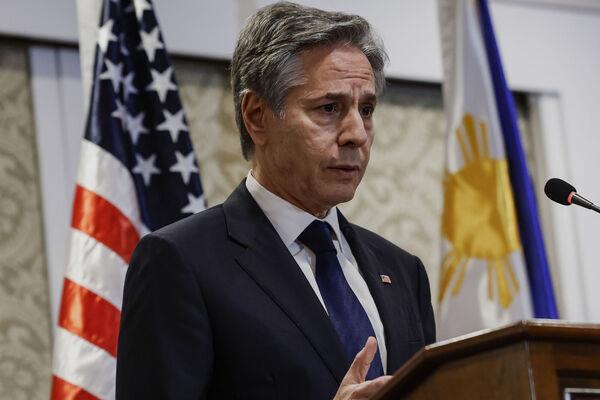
pixel 151 42
pixel 185 166
pixel 120 112
pixel 114 73
pixel 173 123
pixel 105 35
pixel 196 204
pixel 128 85
pixel 146 167
pixel 135 126
pixel 161 83
pixel 140 6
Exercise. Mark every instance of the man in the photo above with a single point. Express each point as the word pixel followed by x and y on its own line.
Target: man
pixel 273 294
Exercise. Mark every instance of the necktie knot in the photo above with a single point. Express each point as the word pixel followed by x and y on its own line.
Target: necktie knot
pixel 317 236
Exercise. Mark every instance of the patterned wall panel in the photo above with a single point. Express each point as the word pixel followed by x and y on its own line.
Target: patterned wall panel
pixel 25 341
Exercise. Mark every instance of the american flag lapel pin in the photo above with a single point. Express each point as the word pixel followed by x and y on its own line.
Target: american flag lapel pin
pixel 385 279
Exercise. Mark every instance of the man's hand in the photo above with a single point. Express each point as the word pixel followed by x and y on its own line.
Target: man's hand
pixel 354 386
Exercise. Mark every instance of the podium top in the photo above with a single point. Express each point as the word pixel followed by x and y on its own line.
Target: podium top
pixel 488 339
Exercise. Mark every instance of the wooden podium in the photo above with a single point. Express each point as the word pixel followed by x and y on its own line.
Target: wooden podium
pixel 535 359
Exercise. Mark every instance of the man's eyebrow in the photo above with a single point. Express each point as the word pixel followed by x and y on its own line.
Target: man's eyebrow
pixel 339 96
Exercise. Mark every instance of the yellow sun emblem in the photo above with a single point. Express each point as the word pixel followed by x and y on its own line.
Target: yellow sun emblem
pixel 479 218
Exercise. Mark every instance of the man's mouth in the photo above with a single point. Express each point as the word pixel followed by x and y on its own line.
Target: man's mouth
pixel 345 169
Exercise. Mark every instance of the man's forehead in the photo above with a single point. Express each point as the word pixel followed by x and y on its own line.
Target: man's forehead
pixel 335 58
pixel 328 67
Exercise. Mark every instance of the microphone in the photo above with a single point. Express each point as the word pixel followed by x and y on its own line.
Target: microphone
pixel 564 193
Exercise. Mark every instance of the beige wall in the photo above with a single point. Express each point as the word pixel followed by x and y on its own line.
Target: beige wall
pixel 25 338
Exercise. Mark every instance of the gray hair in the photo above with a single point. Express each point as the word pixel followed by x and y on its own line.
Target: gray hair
pixel 266 60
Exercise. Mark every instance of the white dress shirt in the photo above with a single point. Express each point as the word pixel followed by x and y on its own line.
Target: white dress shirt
pixel 289 221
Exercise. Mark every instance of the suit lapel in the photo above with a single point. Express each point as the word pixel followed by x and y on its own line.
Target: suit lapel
pixel 269 263
pixel 384 296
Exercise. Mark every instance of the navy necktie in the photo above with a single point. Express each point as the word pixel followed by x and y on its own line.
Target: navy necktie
pixel 345 311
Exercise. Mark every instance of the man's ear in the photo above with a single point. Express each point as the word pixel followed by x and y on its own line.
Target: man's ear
pixel 254 110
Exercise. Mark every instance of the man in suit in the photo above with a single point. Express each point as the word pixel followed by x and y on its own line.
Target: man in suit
pixel 274 294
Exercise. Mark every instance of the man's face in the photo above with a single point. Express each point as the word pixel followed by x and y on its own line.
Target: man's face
pixel 316 154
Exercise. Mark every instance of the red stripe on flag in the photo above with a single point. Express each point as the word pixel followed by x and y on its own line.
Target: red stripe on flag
pixel 89 316
pixel 98 218
pixel 63 390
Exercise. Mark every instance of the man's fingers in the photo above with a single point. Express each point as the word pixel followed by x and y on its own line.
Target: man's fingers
pixel 369 388
pixel 360 366
pixel 353 385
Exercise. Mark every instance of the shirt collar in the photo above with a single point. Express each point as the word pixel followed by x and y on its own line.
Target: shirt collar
pixel 288 220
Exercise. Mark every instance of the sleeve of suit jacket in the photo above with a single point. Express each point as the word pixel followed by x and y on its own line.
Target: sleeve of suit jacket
pixel 165 346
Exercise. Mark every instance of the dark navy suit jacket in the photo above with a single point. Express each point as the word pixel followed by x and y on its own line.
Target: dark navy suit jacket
pixel 215 307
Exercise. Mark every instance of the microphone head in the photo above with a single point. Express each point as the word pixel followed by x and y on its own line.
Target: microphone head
pixel 559 191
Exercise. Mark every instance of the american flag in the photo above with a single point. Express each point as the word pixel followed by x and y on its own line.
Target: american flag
pixel 137 173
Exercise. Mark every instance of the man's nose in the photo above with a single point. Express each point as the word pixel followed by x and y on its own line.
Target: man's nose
pixel 353 132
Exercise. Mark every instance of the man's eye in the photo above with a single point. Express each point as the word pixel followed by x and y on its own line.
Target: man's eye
pixel 367 111
pixel 329 108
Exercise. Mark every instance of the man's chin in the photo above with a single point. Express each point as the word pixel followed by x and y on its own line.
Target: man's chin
pixel 342 195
